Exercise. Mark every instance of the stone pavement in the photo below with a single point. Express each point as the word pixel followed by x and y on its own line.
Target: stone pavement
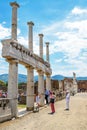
pixel 75 119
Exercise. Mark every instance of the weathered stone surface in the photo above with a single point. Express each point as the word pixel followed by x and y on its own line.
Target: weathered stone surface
pixel 13 50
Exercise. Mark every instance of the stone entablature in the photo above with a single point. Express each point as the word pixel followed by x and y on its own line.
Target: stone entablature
pixel 13 50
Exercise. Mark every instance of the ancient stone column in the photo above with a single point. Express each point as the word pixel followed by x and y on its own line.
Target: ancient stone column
pixel 13 67
pixel 48 82
pixel 30 38
pixel 48 78
pixel 30 88
pixel 30 72
pixel 41 45
pixel 14 20
pixel 47 51
pixel 13 86
pixel 41 86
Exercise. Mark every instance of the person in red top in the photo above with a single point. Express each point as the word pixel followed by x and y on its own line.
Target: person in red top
pixel 52 101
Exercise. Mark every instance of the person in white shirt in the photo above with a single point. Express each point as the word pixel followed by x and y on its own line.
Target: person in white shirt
pixel 67 99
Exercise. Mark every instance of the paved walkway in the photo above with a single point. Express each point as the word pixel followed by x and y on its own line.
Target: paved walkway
pixel 75 119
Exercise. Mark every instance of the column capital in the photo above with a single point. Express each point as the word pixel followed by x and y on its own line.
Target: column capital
pixel 40 35
pixel 47 43
pixel 14 4
pixel 40 72
pixel 29 67
pixel 12 61
pixel 48 75
pixel 30 23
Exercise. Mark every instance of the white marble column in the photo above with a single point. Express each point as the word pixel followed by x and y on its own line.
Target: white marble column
pixel 13 86
pixel 41 86
pixel 30 35
pixel 41 45
pixel 30 88
pixel 47 51
pixel 14 20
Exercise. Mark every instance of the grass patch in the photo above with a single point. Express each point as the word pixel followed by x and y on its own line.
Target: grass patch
pixel 21 106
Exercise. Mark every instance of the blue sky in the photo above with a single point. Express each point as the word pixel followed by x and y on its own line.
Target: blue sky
pixel 64 25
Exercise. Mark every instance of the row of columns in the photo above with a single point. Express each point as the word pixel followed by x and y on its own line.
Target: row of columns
pixel 13 69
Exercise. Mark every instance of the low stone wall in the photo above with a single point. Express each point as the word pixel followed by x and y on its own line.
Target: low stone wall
pixel 5 110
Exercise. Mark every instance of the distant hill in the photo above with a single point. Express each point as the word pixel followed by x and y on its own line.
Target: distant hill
pixel 57 77
pixel 23 78
pixel 61 77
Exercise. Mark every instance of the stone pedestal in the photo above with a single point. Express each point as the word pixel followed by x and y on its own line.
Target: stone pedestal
pixel 30 88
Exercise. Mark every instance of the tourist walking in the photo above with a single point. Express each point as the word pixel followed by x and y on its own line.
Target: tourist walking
pixel 67 99
pixel 47 93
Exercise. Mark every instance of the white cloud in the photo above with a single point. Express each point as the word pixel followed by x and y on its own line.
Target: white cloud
pixel 68 37
pixel 58 60
pixel 71 41
pixel 78 11
pixel 4 32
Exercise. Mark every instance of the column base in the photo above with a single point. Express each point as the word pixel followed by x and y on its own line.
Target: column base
pixel 30 108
